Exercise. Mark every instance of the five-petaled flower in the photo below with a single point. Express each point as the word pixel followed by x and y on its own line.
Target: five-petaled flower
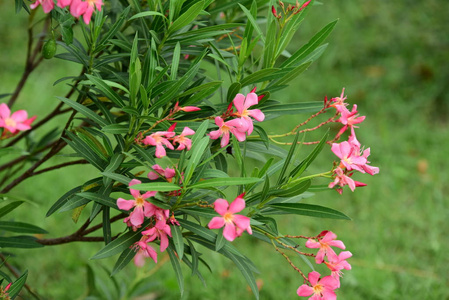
pixel 234 224
pixel 168 173
pixel 324 244
pixel 321 289
pixel 143 250
pixel 235 126
pixel 17 121
pixel 242 104
pixel 160 231
pixel 182 140
pixel 142 207
pixel 339 264
pixel 159 139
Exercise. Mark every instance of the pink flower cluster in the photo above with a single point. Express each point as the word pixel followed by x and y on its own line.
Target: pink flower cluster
pixel 169 139
pixel 77 8
pixel 15 122
pixel 324 288
pixel 159 229
pixel 234 225
pixel 242 124
pixel 352 158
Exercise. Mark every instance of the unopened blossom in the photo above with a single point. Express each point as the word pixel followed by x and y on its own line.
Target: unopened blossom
pixel 234 224
pixel 17 121
pixel 235 126
pixel 242 104
pixel 47 5
pixel 168 173
pixel 144 250
pixel 320 289
pixel 349 155
pixel 140 205
pixel 160 231
pixel 325 244
pixel 159 139
pixel 182 140
pixel 339 264
pixel 342 179
pixel 185 108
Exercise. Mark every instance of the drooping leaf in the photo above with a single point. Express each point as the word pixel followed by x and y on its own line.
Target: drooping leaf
pixel 310 210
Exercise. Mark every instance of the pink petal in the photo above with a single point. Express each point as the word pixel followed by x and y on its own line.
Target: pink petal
pixel 88 14
pixel 338 244
pixel 137 216
pixel 312 244
pixel 221 206
pixel 314 277
pixel 19 116
pixel 216 222
pixel 239 101
pixel 215 134
pixel 229 232
pixel 153 175
pixel 241 222
pixel 219 121
pixel 5 112
pixel 125 204
pixel 251 99
pixel 237 205
pixel 160 151
pixel 304 290
pixel 187 131
pixel 336 149
pixel 149 194
pixel 257 114
pixel 224 140
pixel 139 259
pixel 241 136
pixel 164 242
pixel 329 282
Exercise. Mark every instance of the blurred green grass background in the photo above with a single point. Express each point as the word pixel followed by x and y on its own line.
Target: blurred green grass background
pixel 392 58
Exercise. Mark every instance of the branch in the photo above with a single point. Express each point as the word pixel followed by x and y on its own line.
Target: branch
pixel 70 163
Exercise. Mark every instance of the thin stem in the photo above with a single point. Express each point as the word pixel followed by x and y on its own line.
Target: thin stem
pixel 70 163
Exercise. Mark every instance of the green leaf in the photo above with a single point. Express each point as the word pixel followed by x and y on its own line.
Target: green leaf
pixel 146 14
pixel 295 190
pixel 84 110
pixel 308 48
pixel 17 286
pixel 214 182
pixel 246 271
pixel 177 268
pixel 292 74
pixel 157 187
pixel 288 159
pixel 187 17
pixel 178 240
pixel 9 208
pixel 74 202
pixel 23 241
pixel 196 152
pixel 258 76
pixel 233 91
pixel 310 210
pixel 124 258
pixel 253 22
pixel 20 227
pixel 101 199
pixel 220 240
pixel 118 245
pixel 292 109
pixel 115 128
pixel 106 90
pixel 299 169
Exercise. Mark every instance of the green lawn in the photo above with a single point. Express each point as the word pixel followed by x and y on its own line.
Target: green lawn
pixel 392 59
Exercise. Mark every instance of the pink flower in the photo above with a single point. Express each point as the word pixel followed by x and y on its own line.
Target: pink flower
pixel 349 155
pixel 161 215
pixel 18 121
pixel 322 289
pixel 47 5
pixel 339 264
pixel 356 144
pixel 167 173
pixel 242 104
pixel 159 139
pixel 342 179
pixel 234 224
pixel 160 231
pixel 141 207
pixel 143 250
pixel 324 244
pixel 182 140
pixel 85 8
pixel 235 126
pixel 339 102
pixel 349 118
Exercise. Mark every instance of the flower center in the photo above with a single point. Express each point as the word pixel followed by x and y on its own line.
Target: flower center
pixel 228 217
pixel 140 201
pixel 317 289
pixel 10 122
